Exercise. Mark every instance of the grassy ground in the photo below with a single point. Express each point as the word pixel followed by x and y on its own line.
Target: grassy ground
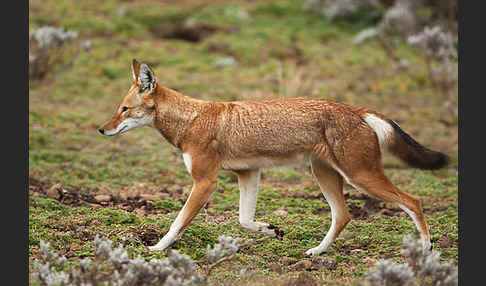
pixel 279 50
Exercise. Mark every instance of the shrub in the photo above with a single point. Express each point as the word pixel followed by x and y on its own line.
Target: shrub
pixel 423 267
pixel 113 266
pixel 46 46
pixel 432 33
pixel 341 9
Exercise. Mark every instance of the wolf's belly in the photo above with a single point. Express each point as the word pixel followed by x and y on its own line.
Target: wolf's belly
pixel 296 160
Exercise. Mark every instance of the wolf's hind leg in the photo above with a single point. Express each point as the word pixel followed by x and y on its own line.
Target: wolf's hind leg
pixel 331 185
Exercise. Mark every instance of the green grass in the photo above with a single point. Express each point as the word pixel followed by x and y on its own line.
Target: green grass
pixel 281 50
pixel 378 237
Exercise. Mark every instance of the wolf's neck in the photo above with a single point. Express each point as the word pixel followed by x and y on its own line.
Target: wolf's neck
pixel 174 113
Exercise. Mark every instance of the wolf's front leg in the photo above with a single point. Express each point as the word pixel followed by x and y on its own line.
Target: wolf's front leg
pixel 248 183
pixel 204 173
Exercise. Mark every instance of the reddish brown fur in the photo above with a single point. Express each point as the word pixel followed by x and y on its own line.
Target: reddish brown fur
pixel 254 134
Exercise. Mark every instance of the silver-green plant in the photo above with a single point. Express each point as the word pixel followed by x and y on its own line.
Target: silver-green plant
pixel 45 45
pixel 113 266
pixel 339 9
pixel 422 268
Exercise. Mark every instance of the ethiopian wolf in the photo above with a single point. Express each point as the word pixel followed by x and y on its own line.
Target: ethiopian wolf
pixel 340 142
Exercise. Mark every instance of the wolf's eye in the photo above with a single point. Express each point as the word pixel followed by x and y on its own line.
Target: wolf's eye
pixel 124 108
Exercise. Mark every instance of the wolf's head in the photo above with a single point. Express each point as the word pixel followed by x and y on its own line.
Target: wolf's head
pixel 137 107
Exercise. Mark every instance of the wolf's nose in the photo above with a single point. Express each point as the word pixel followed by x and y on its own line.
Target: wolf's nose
pixel 101 130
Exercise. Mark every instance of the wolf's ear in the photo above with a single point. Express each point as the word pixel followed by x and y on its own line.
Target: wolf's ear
pixel 146 78
pixel 135 70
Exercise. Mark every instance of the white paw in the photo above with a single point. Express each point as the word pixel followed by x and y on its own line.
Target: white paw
pixel 156 247
pixel 270 233
pixel 314 251
pixel 427 245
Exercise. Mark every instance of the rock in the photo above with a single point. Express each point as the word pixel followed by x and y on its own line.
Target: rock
pixel 55 192
pixel 324 262
pixel 357 251
pixel 276 267
pixel 302 265
pixel 139 212
pixel 187 190
pixel 126 196
pixel 136 189
pixel 368 261
pixel 154 197
pixel 102 198
pixel 354 194
pixel 86 45
pixel 304 279
pixel 242 272
pixel 445 242
pixel 287 260
pixel 280 212
pixel 175 189
pixel 74 246
pixel 388 212
pixel 96 206
pixel 224 62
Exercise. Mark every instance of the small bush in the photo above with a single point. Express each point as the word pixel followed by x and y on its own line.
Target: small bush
pixel 435 43
pixel 433 34
pixel 113 266
pixel 423 268
pixel 341 9
pixel 46 47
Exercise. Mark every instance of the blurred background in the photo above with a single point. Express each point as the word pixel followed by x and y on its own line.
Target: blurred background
pixel 398 57
pixel 395 56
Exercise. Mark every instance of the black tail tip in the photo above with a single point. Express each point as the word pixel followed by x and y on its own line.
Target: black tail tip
pixel 441 161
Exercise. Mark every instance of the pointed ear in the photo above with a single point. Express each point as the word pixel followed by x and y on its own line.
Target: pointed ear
pixel 135 70
pixel 146 78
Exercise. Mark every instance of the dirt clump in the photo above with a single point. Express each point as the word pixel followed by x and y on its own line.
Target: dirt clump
pixel 188 30
pixel 276 267
pixel 304 279
pixel 445 242
pixel 76 196
pixel 154 197
pixel 324 262
pixel 280 212
pixel 55 192
pixel 302 265
pixel 287 260
pixel 146 234
pixel 222 48
pixel 102 198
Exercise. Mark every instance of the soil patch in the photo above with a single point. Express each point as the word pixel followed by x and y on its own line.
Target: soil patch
pixel 188 30
pixel 142 204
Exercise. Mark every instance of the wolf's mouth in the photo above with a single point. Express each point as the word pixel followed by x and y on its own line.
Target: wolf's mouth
pixel 123 128
pixel 119 131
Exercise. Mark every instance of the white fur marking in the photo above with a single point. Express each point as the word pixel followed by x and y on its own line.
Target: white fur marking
pixel 425 241
pixel 382 128
pixel 187 161
pixel 331 233
pixel 248 199
pixel 128 124
pixel 174 231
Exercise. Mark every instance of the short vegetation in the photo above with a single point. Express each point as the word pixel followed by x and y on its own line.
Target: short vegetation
pixel 113 266
pixel 96 203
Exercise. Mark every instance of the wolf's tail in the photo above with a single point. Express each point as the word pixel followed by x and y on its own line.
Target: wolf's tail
pixel 402 145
